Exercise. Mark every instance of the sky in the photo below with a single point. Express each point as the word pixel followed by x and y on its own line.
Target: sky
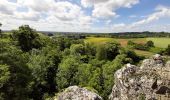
pixel 103 16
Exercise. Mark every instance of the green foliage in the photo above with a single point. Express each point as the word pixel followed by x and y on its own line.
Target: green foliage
pixel 141 97
pixel 67 70
pixel 112 50
pixel 108 51
pixel 43 65
pixel 157 50
pixel 77 49
pixel 4 78
pixel 4 74
pixel 167 51
pixel 34 66
pixel 130 43
pixel 27 38
pixel 140 46
pixel 149 44
pixel 16 88
pixel 96 81
pixel 132 57
pixel 101 53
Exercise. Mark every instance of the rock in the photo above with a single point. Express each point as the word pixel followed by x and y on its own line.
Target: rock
pixel 157 57
pixel 77 93
pixel 155 61
pixel 150 81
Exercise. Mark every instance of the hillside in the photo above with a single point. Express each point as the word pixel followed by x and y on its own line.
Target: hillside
pixel 150 81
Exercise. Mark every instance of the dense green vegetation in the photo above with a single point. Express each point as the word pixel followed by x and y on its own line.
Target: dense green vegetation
pixel 36 66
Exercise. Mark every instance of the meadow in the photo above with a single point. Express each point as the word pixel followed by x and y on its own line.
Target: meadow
pixel 158 42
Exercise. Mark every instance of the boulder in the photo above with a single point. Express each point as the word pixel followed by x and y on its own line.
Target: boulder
pixel 77 93
pixel 150 81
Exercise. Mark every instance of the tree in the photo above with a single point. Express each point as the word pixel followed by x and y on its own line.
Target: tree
pixel 4 78
pixel 84 74
pixel 27 38
pixel 112 50
pixel 44 65
pixel 101 53
pixel 149 44
pixel 13 60
pixel 96 81
pixel 130 43
pixel 131 55
pixel 4 74
pixel 108 73
pixel 167 51
pixel 77 49
pixel 67 72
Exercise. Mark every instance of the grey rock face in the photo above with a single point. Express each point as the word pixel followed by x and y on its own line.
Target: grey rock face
pixel 150 81
pixel 77 93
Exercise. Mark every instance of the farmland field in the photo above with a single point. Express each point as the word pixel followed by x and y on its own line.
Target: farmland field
pixel 123 42
pixel 158 42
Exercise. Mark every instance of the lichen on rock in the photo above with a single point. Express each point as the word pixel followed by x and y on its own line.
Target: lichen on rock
pixel 150 81
pixel 77 93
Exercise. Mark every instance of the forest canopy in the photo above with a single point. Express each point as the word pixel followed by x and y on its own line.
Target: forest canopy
pixel 36 66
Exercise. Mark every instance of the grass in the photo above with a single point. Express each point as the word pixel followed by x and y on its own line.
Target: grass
pixel 144 53
pixel 98 40
pixel 160 42
pixel 123 42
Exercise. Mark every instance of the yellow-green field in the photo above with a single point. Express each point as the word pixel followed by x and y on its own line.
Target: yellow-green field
pixel 158 42
pixel 123 42
pixel 144 53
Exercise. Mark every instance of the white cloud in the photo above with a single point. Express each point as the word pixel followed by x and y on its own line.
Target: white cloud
pixel 62 15
pixel 146 23
pixel 161 11
pixel 31 15
pixel 107 8
pixel 44 15
pixel 66 11
pixel 7 7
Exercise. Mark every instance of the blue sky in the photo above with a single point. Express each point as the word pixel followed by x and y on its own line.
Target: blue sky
pixel 87 15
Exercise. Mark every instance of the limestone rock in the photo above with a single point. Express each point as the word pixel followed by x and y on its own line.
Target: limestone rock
pixel 77 93
pixel 150 81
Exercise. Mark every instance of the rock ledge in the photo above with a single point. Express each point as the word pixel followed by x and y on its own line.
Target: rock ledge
pixel 150 81
pixel 77 93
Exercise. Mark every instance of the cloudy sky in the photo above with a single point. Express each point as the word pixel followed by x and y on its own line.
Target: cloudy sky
pixel 86 15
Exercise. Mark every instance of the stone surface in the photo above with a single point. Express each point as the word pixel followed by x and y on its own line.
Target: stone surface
pixel 77 93
pixel 150 81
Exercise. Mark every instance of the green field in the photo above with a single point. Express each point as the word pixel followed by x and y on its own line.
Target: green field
pixel 158 42
pixel 123 42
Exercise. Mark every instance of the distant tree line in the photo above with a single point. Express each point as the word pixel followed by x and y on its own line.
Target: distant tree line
pixel 115 35
pixel 140 46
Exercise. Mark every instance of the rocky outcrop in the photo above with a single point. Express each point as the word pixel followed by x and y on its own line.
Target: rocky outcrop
pixel 77 93
pixel 150 81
